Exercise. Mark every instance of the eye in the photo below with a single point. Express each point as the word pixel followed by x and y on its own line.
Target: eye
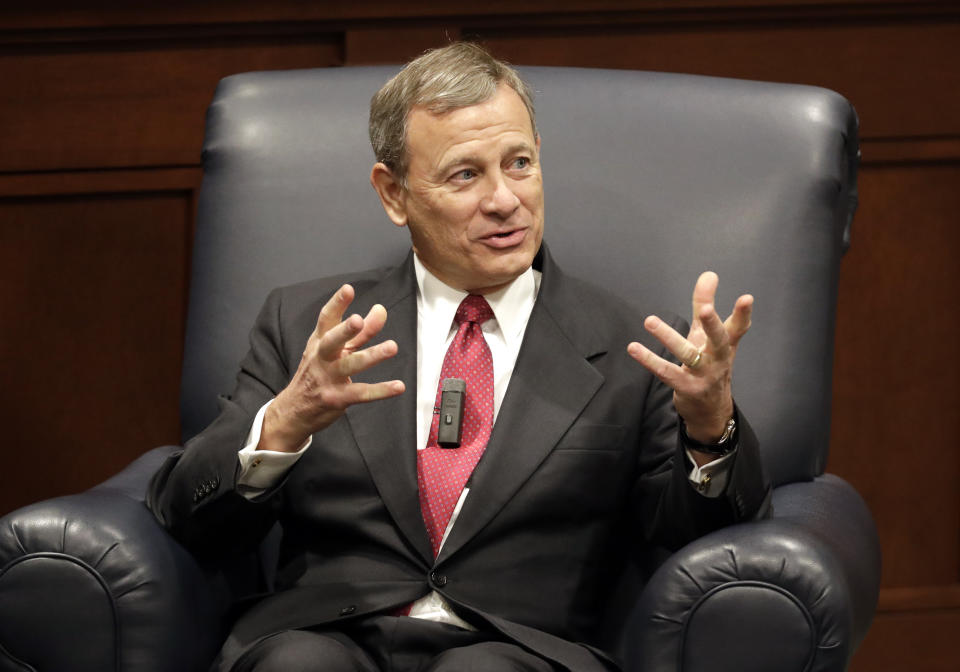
pixel 465 175
pixel 521 162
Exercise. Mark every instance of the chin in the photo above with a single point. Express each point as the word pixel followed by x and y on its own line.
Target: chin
pixel 506 274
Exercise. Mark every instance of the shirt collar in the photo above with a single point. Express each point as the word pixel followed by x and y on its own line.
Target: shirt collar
pixel 511 305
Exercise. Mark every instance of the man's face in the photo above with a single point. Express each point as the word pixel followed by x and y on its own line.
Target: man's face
pixel 474 196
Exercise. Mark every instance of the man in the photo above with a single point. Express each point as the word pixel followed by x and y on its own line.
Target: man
pixel 405 547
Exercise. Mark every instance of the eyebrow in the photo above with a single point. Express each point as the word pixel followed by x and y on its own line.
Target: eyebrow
pixel 522 147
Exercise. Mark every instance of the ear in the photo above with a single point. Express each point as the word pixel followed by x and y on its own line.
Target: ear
pixel 392 193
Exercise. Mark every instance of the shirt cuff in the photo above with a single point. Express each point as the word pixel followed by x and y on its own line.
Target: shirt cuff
pixel 710 480
pixel 261 470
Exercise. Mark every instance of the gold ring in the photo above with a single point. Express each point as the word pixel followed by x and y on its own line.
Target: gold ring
pixel 696 360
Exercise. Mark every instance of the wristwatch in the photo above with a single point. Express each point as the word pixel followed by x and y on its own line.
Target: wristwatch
pixel 724 444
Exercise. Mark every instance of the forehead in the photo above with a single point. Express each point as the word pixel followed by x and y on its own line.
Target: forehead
pixel 501 115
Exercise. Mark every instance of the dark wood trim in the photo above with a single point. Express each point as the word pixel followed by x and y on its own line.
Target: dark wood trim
pixel 919 598
pixel 142 36
pixel 62 183
pixel 113 21
pixel 919 149
pixel 65 14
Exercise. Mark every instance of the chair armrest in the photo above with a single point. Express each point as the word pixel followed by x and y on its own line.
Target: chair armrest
pixel 795 591
pixel 91 582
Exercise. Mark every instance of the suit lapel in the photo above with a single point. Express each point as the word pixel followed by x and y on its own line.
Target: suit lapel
pixel 551 384
pixel 385 431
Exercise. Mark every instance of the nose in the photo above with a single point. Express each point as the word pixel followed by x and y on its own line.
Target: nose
pixel 500 201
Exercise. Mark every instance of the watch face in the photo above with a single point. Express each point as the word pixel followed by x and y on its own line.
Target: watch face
pixel 728 431
pixel 721 447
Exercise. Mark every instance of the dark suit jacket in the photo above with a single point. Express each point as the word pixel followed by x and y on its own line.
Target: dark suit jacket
pixel 583 464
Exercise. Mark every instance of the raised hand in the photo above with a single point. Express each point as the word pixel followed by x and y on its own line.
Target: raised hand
pixel 321 389
pixel 702 383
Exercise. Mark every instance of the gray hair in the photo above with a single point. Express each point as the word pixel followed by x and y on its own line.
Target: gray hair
pixel 458 75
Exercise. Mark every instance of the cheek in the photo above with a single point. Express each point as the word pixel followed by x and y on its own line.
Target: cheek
pixel 453 209
pixel 530 192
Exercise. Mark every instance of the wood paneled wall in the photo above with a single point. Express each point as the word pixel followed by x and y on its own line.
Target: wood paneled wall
pixel 101 122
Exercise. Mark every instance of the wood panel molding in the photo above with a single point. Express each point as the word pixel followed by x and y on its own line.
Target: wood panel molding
pixel 916 598
pixel 116 23
pixel 134 96
pixel 907 632
pixel 919 149
pixel 124 180
pixel 888 379
pixel 97 284
pixel 97 15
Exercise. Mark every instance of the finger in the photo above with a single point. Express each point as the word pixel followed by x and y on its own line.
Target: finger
pixel 361 393
pixel 715 331
pixel 666 371
pixel 372 324
pixel 740 319
pixel 340 397
pixel 681 348
pixel 331 344
pixel 704 292
pixel 365 359
pixel 332 312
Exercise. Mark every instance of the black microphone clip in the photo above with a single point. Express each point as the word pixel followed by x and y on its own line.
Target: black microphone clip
pixel 452 395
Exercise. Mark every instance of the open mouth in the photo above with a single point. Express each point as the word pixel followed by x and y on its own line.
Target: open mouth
pixel 506 238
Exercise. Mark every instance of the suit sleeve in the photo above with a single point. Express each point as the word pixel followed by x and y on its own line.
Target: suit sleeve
pixel 194 494
pixel 668 508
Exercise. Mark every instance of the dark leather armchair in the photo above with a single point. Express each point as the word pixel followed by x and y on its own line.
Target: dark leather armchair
pixel 650 178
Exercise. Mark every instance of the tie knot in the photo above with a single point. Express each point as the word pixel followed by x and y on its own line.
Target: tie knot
pixel 474 308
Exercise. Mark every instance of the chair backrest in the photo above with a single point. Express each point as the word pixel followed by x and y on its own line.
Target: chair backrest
pixel 650 178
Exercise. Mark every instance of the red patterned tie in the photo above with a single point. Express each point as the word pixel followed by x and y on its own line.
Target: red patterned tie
pixel 443 472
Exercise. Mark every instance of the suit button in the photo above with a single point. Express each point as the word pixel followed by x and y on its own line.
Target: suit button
pixel 438 579
pixel 346 611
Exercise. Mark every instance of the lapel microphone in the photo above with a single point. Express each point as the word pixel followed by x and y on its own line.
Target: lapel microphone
pixel 452 395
